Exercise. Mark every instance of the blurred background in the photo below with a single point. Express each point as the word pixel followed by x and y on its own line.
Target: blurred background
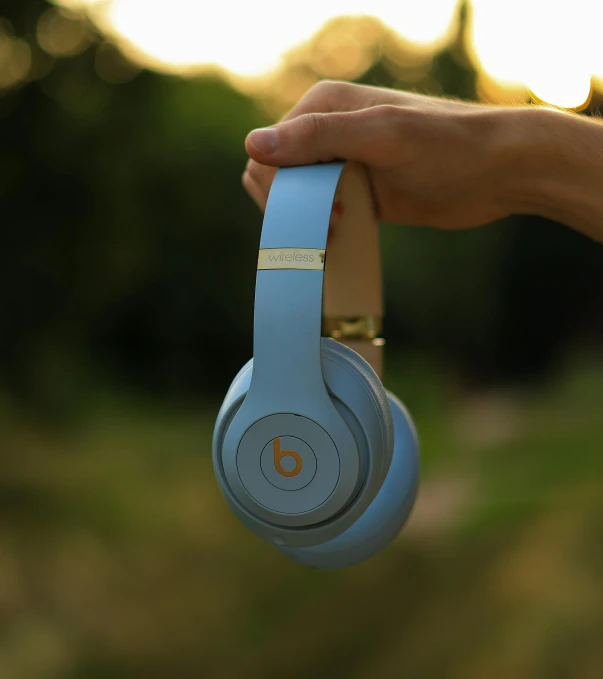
pixel 121 151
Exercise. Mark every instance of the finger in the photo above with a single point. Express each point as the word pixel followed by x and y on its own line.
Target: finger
pixel 257 193
pixel 263 175
pixel 322 137
pixel 329 96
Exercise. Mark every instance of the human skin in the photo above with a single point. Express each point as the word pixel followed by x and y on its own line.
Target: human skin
pixel 442 163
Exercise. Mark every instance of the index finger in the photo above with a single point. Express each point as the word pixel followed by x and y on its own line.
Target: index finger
pixel 325 97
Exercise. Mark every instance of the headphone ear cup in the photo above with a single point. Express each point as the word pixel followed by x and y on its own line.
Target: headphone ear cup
pixel 387 513
pixel 338 360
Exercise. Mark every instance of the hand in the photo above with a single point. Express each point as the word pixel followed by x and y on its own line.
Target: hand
pixel 432 162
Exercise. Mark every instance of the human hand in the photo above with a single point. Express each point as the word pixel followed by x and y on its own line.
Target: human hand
pixel 431 161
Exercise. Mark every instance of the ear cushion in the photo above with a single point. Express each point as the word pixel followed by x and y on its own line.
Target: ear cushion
pixel 386 514
pixel 346 358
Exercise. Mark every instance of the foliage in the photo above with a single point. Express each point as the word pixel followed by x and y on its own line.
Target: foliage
pixel 119 203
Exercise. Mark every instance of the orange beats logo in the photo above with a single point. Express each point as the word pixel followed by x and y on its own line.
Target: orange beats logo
pixel 278 459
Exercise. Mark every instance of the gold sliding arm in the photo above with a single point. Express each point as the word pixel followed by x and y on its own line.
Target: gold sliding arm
pixel 358 328
pixel 360 334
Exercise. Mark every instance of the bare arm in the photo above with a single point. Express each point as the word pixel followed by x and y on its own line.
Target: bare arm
pixel 559 170
pixel 442 163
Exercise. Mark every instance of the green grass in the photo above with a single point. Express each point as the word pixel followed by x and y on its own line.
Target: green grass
pixel 118 557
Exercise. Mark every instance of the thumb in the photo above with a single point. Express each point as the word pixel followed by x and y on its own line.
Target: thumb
pixel 320 137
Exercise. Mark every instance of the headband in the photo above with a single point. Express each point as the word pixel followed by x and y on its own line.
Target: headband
pixel 294 257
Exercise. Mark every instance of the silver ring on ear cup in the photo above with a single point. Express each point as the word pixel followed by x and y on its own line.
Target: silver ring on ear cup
pixel 387 513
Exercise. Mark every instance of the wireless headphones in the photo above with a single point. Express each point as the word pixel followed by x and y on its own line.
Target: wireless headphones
pixel 309 450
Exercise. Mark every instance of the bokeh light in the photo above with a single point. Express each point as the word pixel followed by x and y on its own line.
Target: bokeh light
pixel 237 37
pixel 182 36
pixel 541 46
pixel 544 46
pixel 15 57
pixel 61 33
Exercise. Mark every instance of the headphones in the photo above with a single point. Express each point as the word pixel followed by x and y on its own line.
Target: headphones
pixel 309 450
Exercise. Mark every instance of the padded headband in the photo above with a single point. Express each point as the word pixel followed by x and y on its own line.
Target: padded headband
pixel 294 256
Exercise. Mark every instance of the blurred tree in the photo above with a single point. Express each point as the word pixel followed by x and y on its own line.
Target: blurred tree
pixel 117 203
pixel 121 201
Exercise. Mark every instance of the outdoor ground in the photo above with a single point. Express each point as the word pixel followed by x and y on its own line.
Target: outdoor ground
pixel 118 557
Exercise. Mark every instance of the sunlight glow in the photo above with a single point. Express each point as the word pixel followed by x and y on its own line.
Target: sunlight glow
pixel 250 39
pixel 548 47
pixel 182 35
pixel 426 23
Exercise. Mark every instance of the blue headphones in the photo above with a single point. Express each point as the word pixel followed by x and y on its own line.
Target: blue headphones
pixel 309 450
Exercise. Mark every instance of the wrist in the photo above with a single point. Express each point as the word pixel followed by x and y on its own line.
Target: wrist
pixel 548 167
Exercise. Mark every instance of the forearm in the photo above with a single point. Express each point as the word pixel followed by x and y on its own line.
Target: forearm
pixel 554 167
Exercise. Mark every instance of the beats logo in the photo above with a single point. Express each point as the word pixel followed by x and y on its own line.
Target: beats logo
pixel 286 462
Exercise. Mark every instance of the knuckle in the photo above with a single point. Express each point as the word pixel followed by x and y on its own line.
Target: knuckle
pixel 401 122
pixel 338 122
pixel 386 117
pixel 390 113
pixel 325 85
pixel 330 91
pixel 383 115
pixel 312 126
pixel 395 127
